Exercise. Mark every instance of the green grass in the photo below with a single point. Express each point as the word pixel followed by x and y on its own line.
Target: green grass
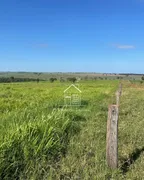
pixel 131 134
pixel 39 139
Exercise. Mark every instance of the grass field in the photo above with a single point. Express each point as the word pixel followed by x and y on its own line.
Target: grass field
pixel 39 139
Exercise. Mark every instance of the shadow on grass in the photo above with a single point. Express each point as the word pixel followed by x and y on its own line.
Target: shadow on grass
pixel 84 102
pixel 126 163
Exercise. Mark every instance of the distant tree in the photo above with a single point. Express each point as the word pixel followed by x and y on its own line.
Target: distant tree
pixel 61 79
pixel 72 79
pixel 52 79
pixel 142 78
pixel 37 80
pixel 12 79
pixel 101 78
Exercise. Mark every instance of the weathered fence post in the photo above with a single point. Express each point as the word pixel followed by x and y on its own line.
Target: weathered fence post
pixel 112 137
pixel 118 94
pixel 112 132
pixel 117 97
pixel 120 89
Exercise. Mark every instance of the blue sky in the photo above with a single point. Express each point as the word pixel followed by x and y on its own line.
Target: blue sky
pixel 72 35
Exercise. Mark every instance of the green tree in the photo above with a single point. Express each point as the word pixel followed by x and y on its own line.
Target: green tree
pixel 37 80
pixel 12 79
pixel 142 78
pixel 52 79
pixel 72 79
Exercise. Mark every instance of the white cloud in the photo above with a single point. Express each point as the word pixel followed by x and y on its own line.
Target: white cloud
pixel 124 46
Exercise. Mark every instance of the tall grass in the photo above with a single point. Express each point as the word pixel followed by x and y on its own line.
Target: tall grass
pixel 44 139
pixel 35 139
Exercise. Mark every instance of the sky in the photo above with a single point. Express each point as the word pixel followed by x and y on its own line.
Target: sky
pixel 72 36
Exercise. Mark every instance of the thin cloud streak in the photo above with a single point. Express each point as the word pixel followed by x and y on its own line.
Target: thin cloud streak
pixel 119 46
pixel 126 47
pixel 41 45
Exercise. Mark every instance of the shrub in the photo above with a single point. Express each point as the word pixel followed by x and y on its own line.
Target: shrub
pixel 52 79
pixel 142 78
pixel 72 79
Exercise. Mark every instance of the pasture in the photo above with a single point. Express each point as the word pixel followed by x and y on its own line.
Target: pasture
pixel 41 139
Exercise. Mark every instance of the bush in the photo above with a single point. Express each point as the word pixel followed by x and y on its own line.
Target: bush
pixel 142 78
pixel 52 79
pixel 72 79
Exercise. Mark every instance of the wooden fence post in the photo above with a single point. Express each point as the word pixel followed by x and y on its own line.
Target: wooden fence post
pixel 117 97
pixel 112 137
pixel 118 94
pixel 120 89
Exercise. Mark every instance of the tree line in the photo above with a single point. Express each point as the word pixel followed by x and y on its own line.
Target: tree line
pixel 71 79
pixel 13 79
pixel 52 79
pixel 16 79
